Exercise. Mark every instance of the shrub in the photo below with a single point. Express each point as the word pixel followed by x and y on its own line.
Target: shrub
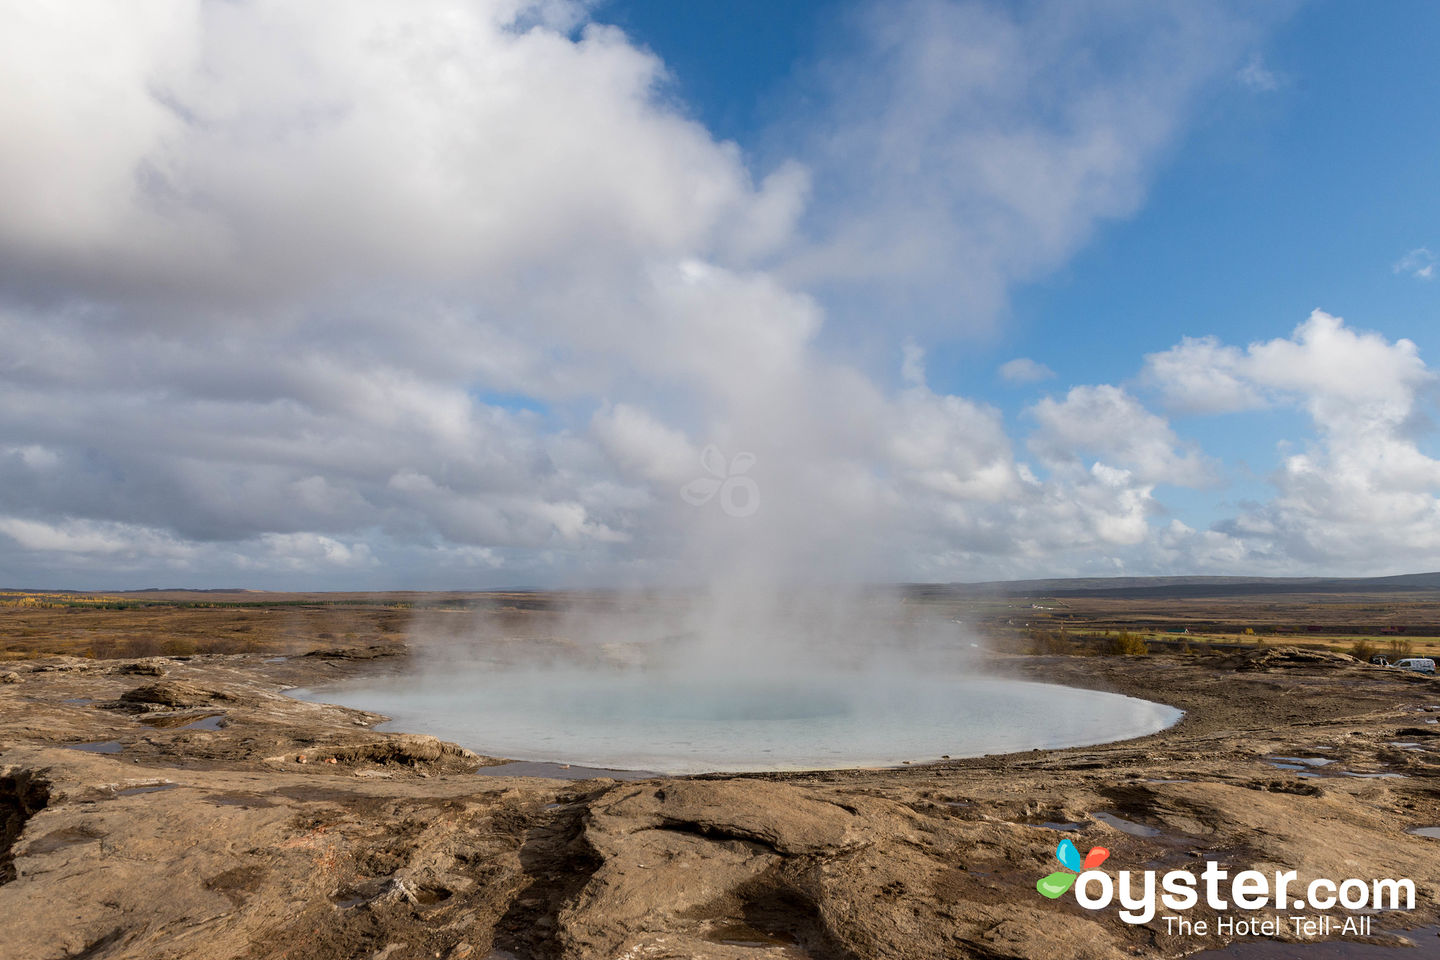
pixel 1363 650
pixel 178 647
pixel 1126 644
pixel 1050 642
pixel 1399 649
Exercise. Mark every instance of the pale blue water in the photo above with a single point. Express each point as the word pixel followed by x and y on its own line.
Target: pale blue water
pixel 641 720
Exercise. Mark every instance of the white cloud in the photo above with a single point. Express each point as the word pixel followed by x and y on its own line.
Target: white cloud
pixel 1258 77
pixel 446 290
pixel 1200 375
pixel 1362 495
pixel 1025 370
pixel 968 145
pixel 1108 422
pixel 1345 371
pixel 1418 263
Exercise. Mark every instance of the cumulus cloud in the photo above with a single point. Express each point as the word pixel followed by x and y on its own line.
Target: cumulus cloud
pixel 1201 375
pixel 1363 493
pixel 1108 422
pixel 365 294
pixel 1339 370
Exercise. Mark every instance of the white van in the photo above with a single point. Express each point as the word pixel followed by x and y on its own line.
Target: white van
pixel 1418 664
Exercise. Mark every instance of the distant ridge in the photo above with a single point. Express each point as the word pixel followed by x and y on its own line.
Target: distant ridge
pixel 1181 586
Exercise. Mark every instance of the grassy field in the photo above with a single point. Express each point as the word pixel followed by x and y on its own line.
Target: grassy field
pixel 1394 624
pixel 178 623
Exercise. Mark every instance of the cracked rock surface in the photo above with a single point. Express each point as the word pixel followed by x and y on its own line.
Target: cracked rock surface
pixel 166 808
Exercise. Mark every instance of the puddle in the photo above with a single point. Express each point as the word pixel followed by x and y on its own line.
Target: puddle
pixel 275 659
pixel 1423 937
pixel 62 838
pixel 149 788
pixel 1167 781
pixel 1303 761
pixel 243 800
pixel 205 723
pixel 103 746
pixel 739 934
pixel 1402 743
pixel 1299 770
pixel 560 771
pixel 1375 776
pixel 1126 826
pixel 1432 832
pixel 1050 825
pixel 78 701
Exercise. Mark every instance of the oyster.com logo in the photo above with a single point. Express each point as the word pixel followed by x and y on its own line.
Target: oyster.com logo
pixel 1305 909
pixel 738 494
pixel 1056 884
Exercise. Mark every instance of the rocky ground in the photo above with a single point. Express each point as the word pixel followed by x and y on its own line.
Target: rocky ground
pixel 186 808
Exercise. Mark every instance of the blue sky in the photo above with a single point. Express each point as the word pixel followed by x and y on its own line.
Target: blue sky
pixel 466 294
pixel 1299 182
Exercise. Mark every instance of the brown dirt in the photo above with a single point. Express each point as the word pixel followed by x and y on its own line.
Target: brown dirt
pixel 222 843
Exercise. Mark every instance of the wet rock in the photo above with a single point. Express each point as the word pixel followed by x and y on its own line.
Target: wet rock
pixel 371 652
pixel 242 848
pixel 784 818
pixel 151 667
pixel 169 693
pixel 395 890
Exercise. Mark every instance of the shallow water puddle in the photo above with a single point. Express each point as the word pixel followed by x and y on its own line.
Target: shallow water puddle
pixel 1305 761
pixel 1374 776
pixel 1050 825
pixel 62 838
pixel 1432 832
pixel 146 788
pixel 739 934
pixel 102 746
pixel 205 723
pixel 1126 826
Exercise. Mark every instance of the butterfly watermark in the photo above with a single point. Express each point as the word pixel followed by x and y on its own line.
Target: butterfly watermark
pixel 738 494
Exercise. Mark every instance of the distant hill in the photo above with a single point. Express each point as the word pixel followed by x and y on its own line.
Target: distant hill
pixel 1180 586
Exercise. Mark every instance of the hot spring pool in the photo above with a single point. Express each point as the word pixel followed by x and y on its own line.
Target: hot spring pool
pixel 670 724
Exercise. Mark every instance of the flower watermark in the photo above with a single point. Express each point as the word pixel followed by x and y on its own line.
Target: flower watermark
pixel 738 494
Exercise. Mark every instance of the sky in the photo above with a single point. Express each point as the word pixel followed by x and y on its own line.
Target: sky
pixel 481 293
